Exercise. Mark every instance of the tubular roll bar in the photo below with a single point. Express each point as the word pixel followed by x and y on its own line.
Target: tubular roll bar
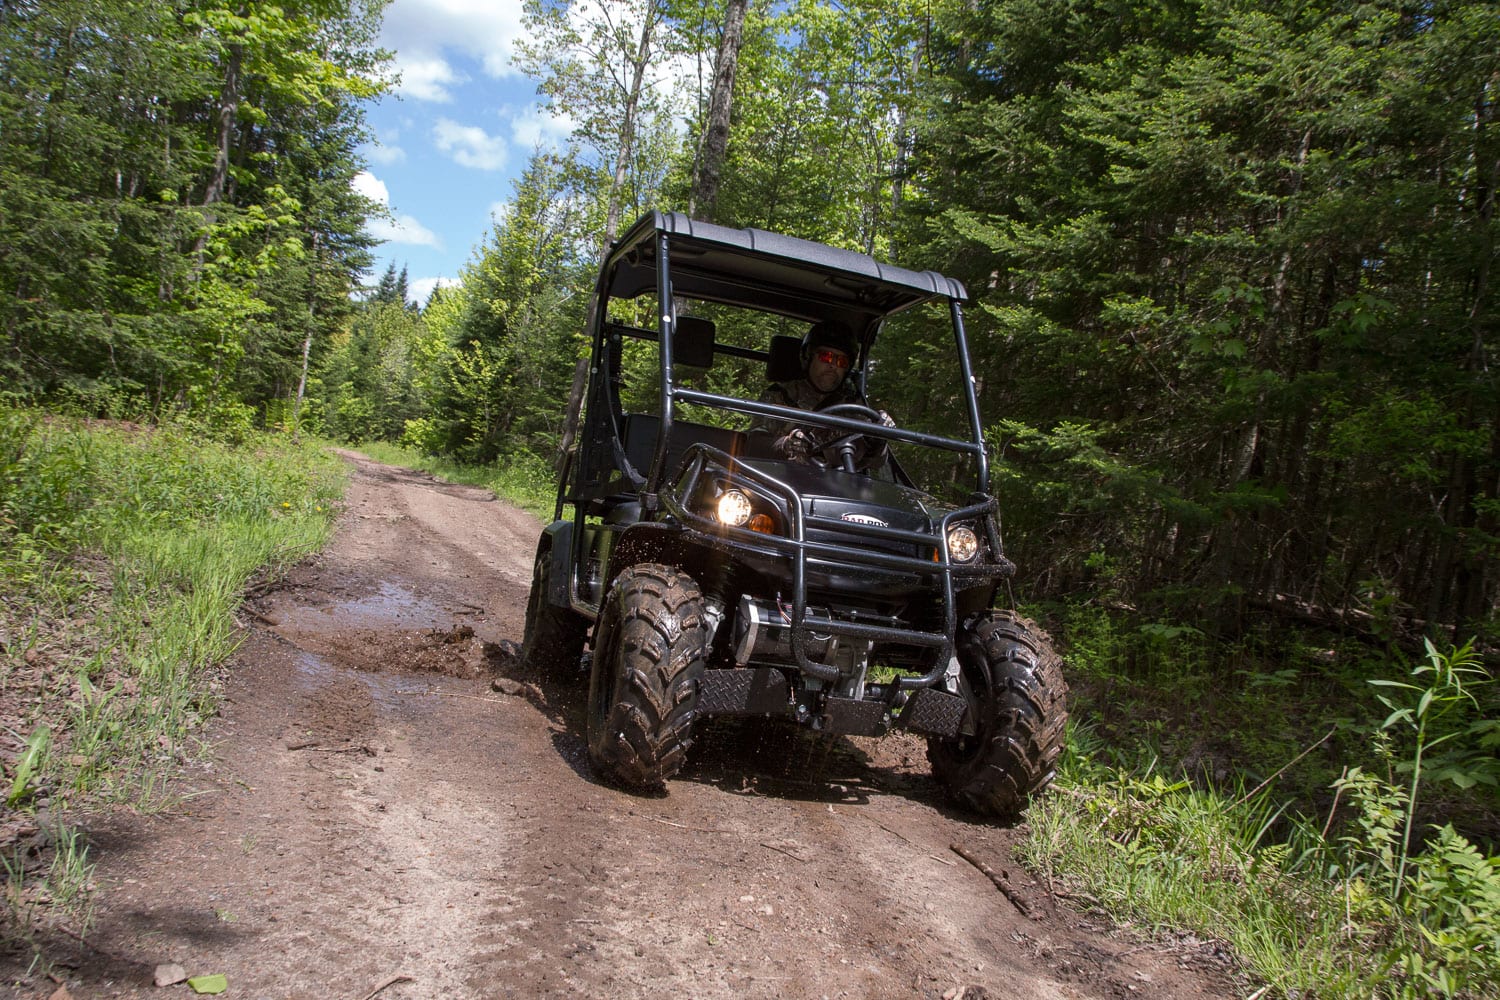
pixel 671 394
pixel 667 328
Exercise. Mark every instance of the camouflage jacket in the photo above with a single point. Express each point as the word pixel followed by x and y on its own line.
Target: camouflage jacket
pixel 802 394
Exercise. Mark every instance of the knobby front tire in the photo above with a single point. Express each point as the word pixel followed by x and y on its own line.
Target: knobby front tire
pixel 648 660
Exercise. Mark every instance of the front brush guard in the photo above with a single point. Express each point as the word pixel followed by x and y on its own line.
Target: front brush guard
pixel 796 546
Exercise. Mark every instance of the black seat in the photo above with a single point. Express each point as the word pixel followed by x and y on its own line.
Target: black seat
pixel 640 430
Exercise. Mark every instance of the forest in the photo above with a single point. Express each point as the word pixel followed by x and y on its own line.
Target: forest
pixel 1230 263
pixel 1231 267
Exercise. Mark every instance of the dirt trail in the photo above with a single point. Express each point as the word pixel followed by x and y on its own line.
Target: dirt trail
pixel 375 808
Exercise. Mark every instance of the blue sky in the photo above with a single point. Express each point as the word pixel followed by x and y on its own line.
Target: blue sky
pixel 451 140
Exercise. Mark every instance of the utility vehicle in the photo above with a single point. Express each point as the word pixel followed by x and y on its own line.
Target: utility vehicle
pixel 708 575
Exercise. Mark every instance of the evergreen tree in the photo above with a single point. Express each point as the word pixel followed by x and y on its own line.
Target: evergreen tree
pixel 1232 263
pixel 386 291
pixel 174 196
pixel 513 340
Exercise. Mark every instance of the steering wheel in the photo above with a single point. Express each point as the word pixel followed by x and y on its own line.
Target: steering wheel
pixel 841 450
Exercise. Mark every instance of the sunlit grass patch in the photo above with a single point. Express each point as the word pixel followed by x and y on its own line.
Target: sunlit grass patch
pixel 1164 854
pixel 126 553
pixel 1349 906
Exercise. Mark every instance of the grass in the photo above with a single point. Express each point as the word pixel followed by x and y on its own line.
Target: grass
pixel 126 552
pixel 524 480
pixel 1166 855
pixel 1327 897
pixel 60 890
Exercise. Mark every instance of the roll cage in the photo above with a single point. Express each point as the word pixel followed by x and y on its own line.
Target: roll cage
pixel 794 278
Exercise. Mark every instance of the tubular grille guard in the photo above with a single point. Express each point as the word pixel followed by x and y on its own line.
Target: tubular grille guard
pixel 799 549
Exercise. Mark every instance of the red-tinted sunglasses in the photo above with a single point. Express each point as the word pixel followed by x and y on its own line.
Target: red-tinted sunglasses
pixel 836 358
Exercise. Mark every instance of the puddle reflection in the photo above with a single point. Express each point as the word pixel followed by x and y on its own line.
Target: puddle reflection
pixel 392 605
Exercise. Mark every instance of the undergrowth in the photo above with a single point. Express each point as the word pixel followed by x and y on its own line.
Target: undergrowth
pixel 124 553
pixel 1360 893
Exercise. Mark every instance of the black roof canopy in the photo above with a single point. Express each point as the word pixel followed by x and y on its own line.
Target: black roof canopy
pixel 764 270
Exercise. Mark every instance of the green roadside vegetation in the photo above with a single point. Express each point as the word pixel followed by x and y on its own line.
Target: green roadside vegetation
pixel 1320 845
pixel 124 553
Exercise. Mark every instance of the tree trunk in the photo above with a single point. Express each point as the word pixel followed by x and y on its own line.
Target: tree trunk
pixel 628 126
pixel 704 198
pixel 312 305
pixel 218 178
pixel 229 101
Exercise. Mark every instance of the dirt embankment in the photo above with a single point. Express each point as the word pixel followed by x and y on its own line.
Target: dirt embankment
pixel 378 816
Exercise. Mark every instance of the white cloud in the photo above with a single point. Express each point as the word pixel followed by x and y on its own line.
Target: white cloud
pixel 469 145
pixel 538 128
pixel 403 229
pixel 422 32
pixel 420 291
pixel 427 78
pixel 392 228
pixel 371 187
pixel 384 154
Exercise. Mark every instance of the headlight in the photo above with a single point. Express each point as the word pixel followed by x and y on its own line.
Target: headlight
pixel 963 544
pixel 733 508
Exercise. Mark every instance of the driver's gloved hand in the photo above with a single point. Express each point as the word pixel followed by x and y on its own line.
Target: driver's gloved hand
pixel 795 445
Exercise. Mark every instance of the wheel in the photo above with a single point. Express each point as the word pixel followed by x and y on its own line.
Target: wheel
pixel 649 652
pixel 553 644
pixel 1018 701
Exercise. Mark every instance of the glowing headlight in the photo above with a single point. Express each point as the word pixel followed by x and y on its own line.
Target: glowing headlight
pixel 963 544
pixel 734 508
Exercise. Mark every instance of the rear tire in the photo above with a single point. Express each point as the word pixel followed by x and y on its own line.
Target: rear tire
pixel 1020 713
pixel 553 644
pixel 649 654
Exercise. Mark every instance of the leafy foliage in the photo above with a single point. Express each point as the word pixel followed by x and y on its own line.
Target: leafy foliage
pixel 1365 911
pixel 173 209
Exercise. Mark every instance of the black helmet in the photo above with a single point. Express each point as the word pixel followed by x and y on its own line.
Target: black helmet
pixel 829 333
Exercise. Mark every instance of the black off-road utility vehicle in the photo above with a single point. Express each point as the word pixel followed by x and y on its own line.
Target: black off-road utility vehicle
pixel 711 575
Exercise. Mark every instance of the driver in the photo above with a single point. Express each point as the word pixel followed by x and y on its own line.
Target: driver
pixel 828 350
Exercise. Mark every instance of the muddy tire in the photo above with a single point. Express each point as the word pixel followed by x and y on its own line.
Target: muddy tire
pixel 553 644
pixel 1020 712
pixel 643 689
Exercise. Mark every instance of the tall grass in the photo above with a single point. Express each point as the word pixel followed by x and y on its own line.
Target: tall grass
pixel 1350 905
pixel 1167 855
pixel 124 553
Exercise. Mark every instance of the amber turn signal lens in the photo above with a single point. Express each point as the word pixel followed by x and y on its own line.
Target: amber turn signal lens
pixel 763 524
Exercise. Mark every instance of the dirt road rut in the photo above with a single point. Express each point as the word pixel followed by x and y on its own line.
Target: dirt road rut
pixel 377 814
